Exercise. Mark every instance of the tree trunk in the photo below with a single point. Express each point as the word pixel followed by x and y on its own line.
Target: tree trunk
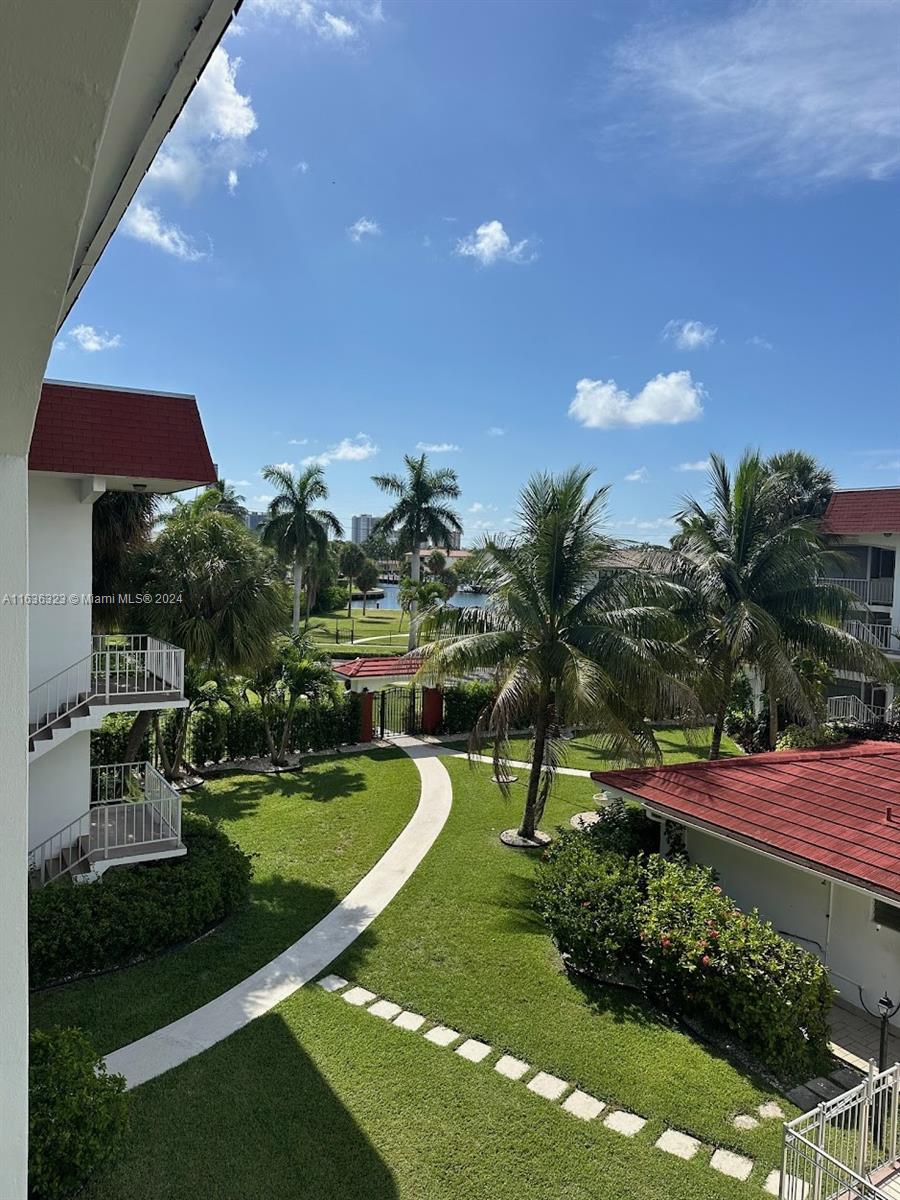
pixel 365 598
pixel 137 732
pixel 715 746
pixel 414 572
pixel 349 595
pixel 298 587
pixel 773 719
pixel 530 816
pixel 183 719
pixel 286 734
pixel 308 607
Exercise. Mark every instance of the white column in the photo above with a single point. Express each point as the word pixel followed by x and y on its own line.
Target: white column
pixel 14 829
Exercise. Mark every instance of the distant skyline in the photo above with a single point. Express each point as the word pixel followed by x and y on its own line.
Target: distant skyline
pixel 517 237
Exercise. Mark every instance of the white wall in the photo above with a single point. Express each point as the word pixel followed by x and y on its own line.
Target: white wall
pixel 860 953
pixel 59 546
pixel 59 787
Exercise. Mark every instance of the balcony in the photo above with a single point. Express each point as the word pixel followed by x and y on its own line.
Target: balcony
pixel 135 816
pixel 122 671
pixel 853 711
pixel 881 636
pixel 869 591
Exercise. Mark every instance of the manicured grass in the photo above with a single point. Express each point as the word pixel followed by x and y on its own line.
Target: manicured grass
pixel 390 626
pixel 320 1101
pixel 675 744
pixel 463 945
pixel 314 833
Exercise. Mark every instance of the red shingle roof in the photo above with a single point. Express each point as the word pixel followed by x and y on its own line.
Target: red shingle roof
pixel 825 809
pixel 85 430
pixel 373 667
pixel 863 510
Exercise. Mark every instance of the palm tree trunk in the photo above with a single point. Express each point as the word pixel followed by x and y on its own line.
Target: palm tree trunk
pixel 349 594
pixel 298 587
pixel 715 746
pixel 308 607
pixel 530 816
pixel 773 719
pixel 414 572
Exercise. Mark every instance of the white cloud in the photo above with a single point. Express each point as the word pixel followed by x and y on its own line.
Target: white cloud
pixel 689 335
pixel 646 524
pixel 337 27
pixel 147 224
pixel 210 138
pixel 761 343
pixel 347 450
pixel 319 18
pixel 801 93
pixel 232 180
pixel 364 227
pixel 284 466
pixel 238 483
pixel 891 465
pixel 701 464
pixel 302 166
pixel 664 400
pixel 495 431
pixel 265 500
pixel 437 447
pixel 91 339
pixel 298 441
pixel 478 507
pixel 491 243
pixel 638 475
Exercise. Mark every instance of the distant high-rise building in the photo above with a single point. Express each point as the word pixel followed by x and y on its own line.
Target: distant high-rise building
pixel 362 528
pixel 253 520
pixel 455 541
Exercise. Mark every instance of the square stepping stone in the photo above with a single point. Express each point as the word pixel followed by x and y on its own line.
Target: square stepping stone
pixel 735 1166
pixel 386 1009
pixel 803 1098
pixel 824 1088
pixel 512 1068
pixel 771 1111
pixel 582 1105
pixel 846 1078
pixel 410 1020
pixel 331 983
pixel 359 996
pixel 626 1123
pixel 547 1086
pixel 472 1050
pixel 441 1035
pixel 796 1189
pixel 745 1121
pixel 678 1144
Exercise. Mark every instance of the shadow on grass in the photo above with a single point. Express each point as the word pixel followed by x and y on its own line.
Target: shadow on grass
pixel 334 779
pixel 253 1118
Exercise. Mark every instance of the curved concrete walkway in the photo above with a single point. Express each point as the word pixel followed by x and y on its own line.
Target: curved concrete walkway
pixel 309 955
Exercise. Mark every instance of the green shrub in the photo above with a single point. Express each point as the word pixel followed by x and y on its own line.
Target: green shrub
pixel 668 926
pixel 463 703
pixel 590 902
pixel 77 1113
pixel 135 912
pixel 109 741
pixel 808 737
pixel 623 829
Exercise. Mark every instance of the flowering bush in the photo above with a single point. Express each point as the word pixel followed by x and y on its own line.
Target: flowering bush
pixel 808 737
pixel 669 927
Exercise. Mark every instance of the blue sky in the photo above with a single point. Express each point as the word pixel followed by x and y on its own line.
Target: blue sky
pixel 526 235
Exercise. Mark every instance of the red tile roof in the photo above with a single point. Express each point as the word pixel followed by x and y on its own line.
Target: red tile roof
pixel 86 430
pixel 374 667
pixel 863 510
pixel 824 809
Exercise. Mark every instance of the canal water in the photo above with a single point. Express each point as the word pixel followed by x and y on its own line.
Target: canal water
pixel 391 590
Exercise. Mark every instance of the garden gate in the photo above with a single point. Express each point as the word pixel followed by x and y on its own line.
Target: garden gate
pixel 400 710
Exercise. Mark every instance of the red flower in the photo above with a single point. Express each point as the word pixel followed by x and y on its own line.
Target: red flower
pixel 704 961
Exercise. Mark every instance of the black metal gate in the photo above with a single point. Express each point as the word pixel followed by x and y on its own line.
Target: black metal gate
pixel 400 710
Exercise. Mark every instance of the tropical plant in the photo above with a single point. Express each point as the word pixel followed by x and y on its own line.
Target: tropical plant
pixel 228 502
pixel 421 513
pixel 295 670
pixel 351 560
pixel 294 524
pixel 122 524
pixel 806 485
pixel 436 562
pixel 758 599
pixel 568 644
pixel 366 580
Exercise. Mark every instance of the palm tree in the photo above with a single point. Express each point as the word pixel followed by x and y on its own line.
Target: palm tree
pixel 807 485
pixel 229 501
pixel 122 524
pixel 421 513
pixel 753 570
pixel 351 561
pixel 366 580
pixel 293 524
pixel 436 562
pixel 568 643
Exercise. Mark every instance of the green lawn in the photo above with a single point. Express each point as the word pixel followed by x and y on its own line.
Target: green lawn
pixel 314 833
pixel 389 626
pixel 584 755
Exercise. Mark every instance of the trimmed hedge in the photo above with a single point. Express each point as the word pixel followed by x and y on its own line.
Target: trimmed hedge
pixel 219 733
pixel 667 927
pixel 135 912
pixel 462 704
pixel 77 1113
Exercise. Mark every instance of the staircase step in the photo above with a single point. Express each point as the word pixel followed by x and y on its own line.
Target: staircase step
pixel 846 1078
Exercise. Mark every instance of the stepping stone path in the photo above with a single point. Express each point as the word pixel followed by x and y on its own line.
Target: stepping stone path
pixel 577 1103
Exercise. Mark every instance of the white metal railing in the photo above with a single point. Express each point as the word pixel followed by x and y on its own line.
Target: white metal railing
pixel 846 1147
pixel 882 636
pixel 132 806
pixel 119 665
pixel 869 591
pixel 851 708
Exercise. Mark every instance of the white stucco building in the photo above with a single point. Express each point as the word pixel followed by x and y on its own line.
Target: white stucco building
pixel 87 440
pixel 810 838
pixel 864 525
